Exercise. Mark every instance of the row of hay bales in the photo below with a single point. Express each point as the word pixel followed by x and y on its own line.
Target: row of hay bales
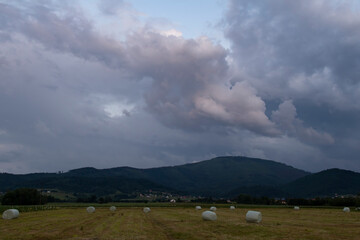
pixel 345 209
pixel 251 216
pixel 91 209
pixel 213 208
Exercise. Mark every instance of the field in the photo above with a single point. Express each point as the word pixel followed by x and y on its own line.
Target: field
pixel 181 222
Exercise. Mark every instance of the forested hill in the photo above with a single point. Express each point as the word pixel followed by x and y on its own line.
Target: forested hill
pixel 325 183
pixel 215 177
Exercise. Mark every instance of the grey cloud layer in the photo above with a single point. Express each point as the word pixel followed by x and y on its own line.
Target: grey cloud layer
pixel 299 49
pixel 285 117
pixel 303 54
pixel 74 97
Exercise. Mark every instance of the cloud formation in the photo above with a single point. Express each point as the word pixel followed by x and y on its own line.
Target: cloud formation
pixel 73 93
pixel 302 55
pixel 179 69
pixel 285 117
pixel 298 49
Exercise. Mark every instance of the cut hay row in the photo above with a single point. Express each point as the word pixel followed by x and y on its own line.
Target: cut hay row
pixel 182 223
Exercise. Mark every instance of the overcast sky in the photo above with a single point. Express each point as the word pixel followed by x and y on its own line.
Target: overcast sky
pixel 156 83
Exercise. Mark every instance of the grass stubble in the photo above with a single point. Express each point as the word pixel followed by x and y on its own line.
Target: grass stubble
pixel 181 223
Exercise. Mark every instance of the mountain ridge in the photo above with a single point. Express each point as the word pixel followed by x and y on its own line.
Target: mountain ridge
pixel 214 177
pixel 219 177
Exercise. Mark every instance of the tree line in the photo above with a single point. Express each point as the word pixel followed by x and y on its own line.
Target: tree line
pixel 351 201
pixel 30 196
pixel 25 196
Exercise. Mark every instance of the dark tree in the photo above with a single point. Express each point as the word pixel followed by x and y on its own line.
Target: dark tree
pixel 23 196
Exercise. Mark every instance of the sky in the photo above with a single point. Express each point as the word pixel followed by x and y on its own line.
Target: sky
pixel 161 83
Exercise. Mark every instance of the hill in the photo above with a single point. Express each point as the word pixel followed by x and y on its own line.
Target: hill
pixel 259 191
pixel 325 183
pixel 215 177
pixel 218 176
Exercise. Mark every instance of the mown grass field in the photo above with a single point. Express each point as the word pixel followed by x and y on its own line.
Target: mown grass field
pixel 181 223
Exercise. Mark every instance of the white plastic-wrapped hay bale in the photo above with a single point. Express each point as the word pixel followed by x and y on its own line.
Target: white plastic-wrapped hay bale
pixel 90 209
pixel 346 209
pixel 213 209
pixel 198 208
pixel 232 207
pixel 146 209
pixel 10 214
pixel 113 208
pixel 209 216
pixel 253 217
pixel 296 208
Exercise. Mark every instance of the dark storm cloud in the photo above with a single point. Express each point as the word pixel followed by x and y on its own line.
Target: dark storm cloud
pixel 308 49
pixel 304 54
pixel 285 117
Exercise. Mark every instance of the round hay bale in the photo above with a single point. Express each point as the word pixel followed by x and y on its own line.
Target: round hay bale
pixel 232 207
pixel 198 208
pixel 90 209
pixel 113 208
pixel 346 209
pixel 209 216
pixel 10 214
pixel 296 208
pixel 213 209
pixel 146 209
pixel 253 217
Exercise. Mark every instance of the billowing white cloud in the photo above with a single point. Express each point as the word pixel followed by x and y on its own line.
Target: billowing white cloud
pixel 171 32
pixel 236 106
